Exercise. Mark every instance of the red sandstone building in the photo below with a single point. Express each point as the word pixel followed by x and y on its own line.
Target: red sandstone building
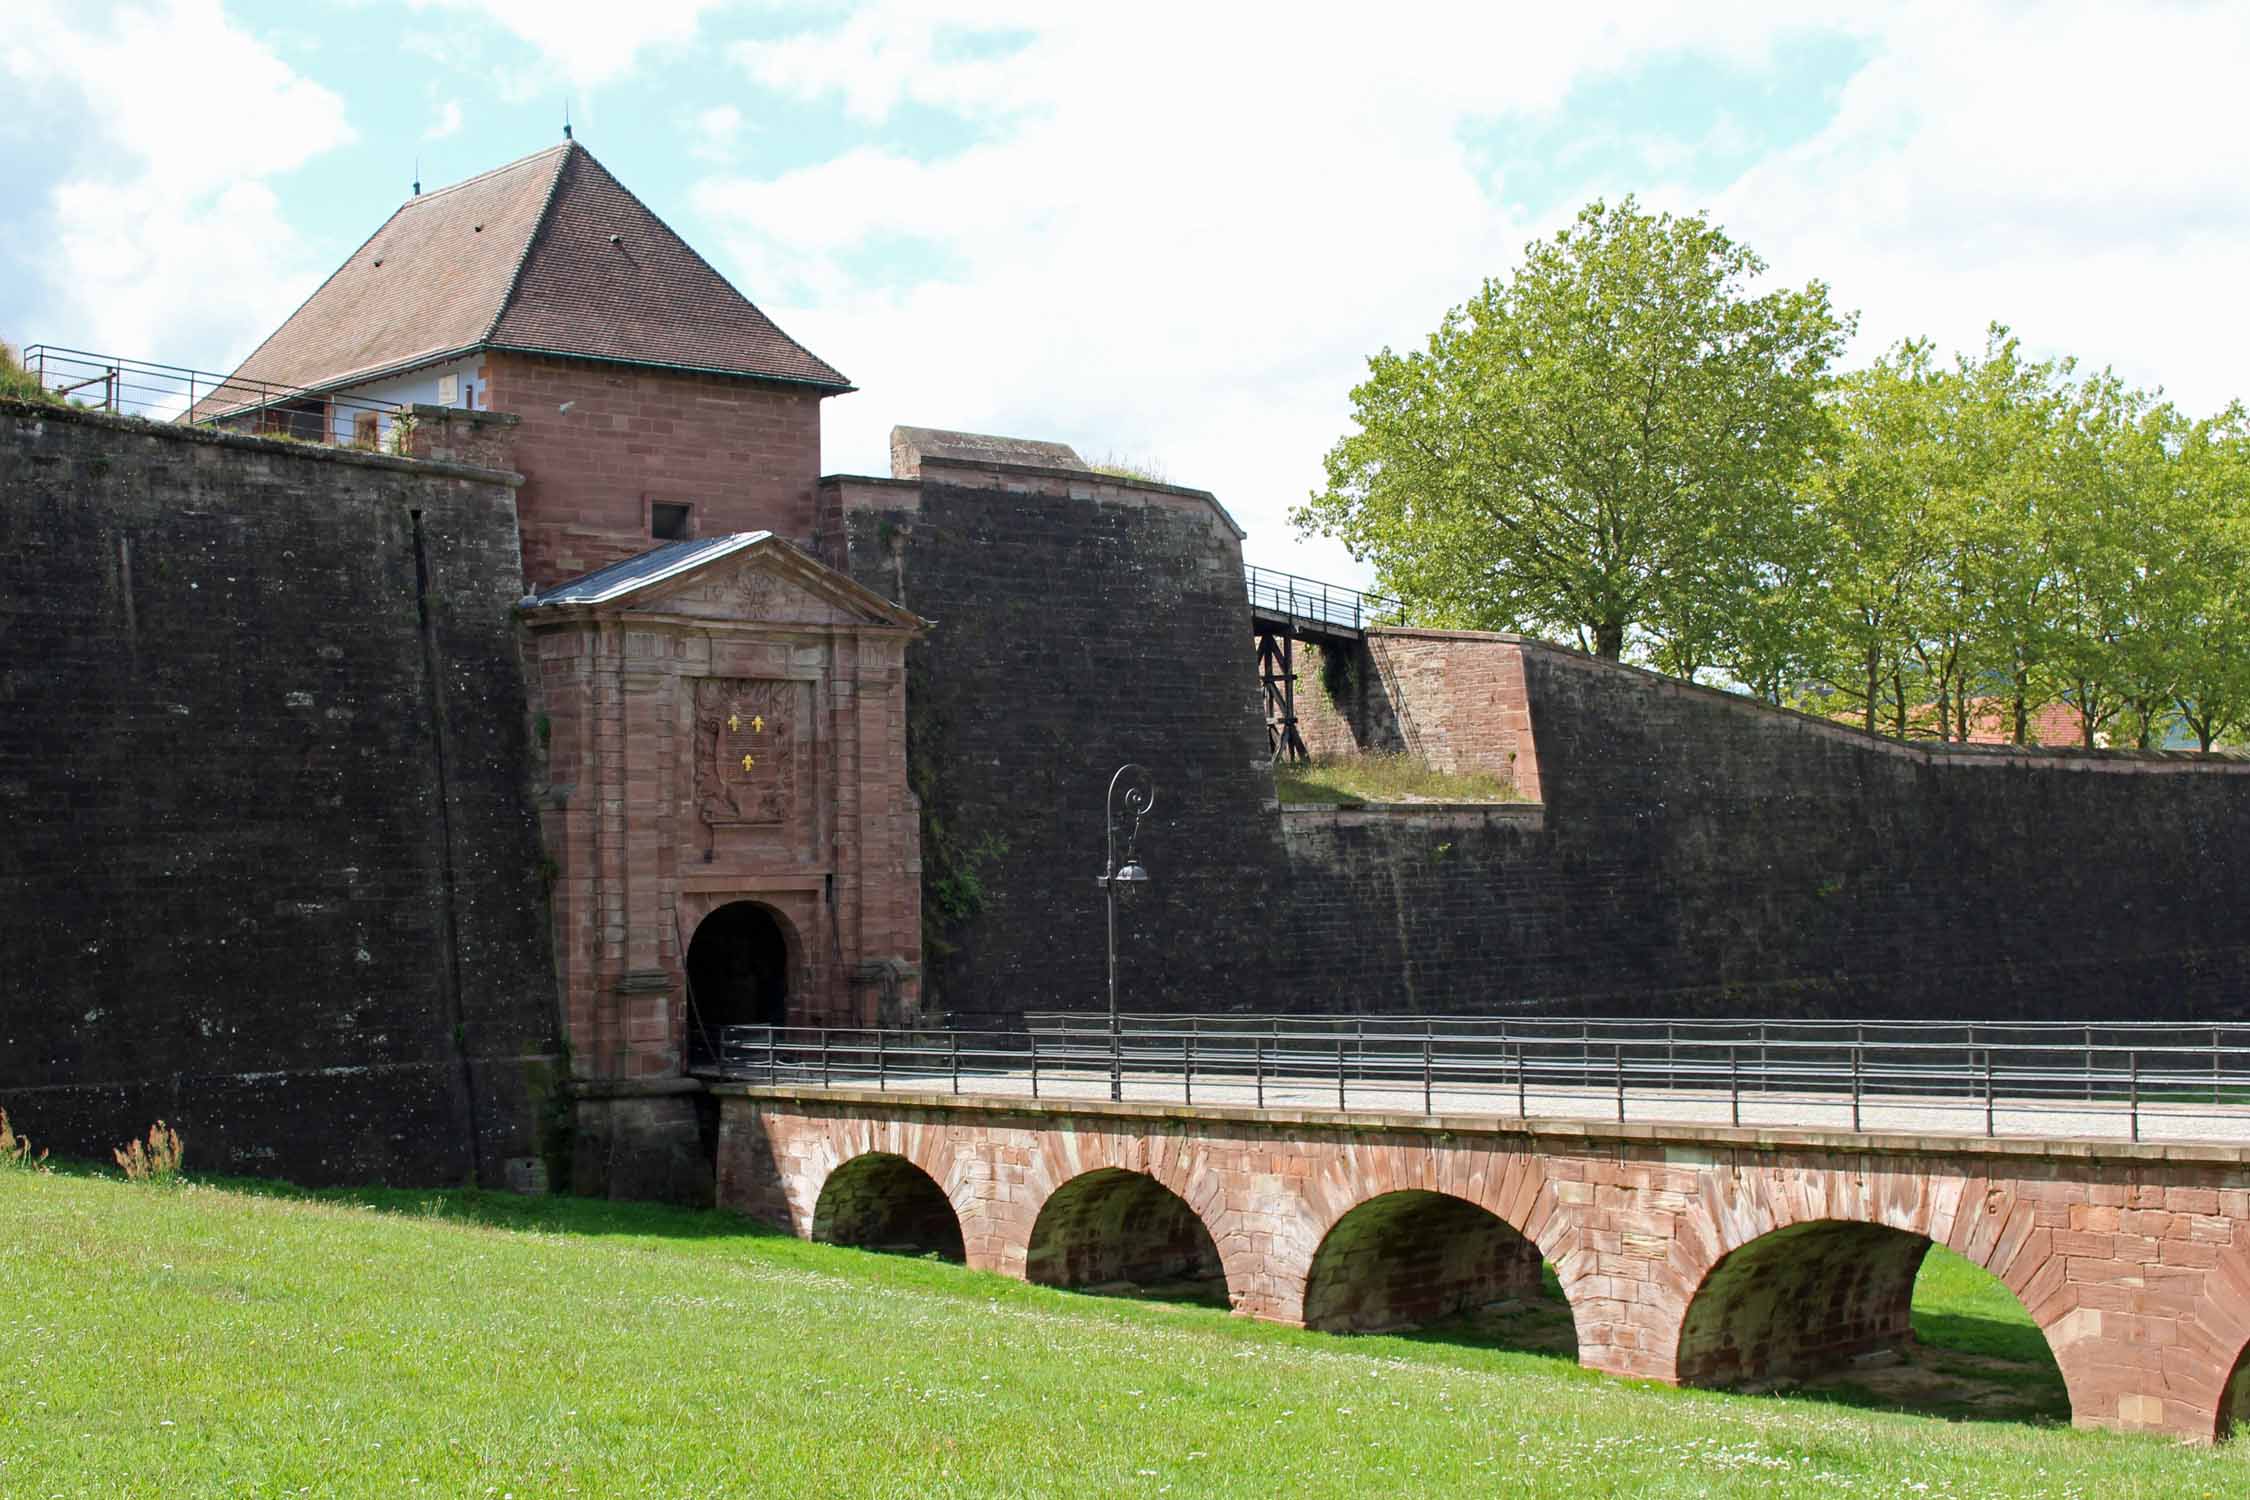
pixel 722 713
pixel 653 401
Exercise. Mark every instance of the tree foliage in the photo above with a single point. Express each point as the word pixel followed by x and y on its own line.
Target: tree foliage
pixel 1604 445
pixel 1621 445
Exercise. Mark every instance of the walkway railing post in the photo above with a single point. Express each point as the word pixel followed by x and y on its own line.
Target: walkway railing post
pixel 882 1060
pixel 1617 1058
pixel 1671 1056
pixel 2089 1065
pixel 1855 1084
pixel 1187 1070
pixel 1116 1064
pixel 1034 1064
pixel 1521 1112
pixel 1340 1073
pixel 773 1072
pixel 1988 1089
pixel 2215 1045
pixel 1734 1083
pixel 2133 1084
pixel 956 1062
pixel 1426 1109
pixel 1258 1066
pixel 824 1057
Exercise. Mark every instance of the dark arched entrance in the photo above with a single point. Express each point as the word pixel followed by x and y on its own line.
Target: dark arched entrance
pixel 738 968
pixel 885 1202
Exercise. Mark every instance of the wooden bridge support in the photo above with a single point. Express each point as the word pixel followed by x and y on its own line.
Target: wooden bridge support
pixel 1277 674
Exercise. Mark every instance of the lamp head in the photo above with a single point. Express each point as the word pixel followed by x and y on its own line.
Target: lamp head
pixel 1132 872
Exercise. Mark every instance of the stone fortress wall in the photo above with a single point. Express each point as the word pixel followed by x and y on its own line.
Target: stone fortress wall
pixel 271 870
pixel 276 875
pixel 1683 850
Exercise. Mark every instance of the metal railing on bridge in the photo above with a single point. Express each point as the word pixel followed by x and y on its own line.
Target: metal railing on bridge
pixel 2176 1081
pixel 170 393
pixel 1286 596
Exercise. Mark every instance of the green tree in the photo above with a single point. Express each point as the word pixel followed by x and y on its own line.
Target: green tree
pixel 1870 510
pixel 2204 620
pixel 1605 445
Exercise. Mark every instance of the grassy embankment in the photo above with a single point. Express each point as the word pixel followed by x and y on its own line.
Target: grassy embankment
pixel 220 1341
pixel 1349 779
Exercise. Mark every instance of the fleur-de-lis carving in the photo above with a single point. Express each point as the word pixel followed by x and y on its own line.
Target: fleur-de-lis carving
pixel 734 723
pixel 758 724
pixel 749 763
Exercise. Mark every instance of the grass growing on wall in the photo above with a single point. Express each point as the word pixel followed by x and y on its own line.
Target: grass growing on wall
pixel 19 384
pixel 222 1342
pixel 1347 779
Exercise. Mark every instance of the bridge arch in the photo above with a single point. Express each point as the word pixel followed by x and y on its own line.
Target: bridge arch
pixel 1376 1179
pixel 2208 1389
pixel 879 1200
pixel 1114 1224
pixel 1413 1256
pixel 1780 1273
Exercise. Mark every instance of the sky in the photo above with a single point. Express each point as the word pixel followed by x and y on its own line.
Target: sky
pixel 1169 234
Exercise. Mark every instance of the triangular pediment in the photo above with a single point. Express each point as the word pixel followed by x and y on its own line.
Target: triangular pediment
pixel 749 578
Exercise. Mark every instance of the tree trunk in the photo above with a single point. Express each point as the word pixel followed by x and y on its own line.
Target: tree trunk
pixel 1874 686
pixel 1609 639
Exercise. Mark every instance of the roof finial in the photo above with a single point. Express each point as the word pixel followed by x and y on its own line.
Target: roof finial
pixel 417 176
pixel 566 119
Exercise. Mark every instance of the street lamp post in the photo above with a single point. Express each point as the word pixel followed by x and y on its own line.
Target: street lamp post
pixel 1132 792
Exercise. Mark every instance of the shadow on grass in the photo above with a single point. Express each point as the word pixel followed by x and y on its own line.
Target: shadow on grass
pixel 487 1208
pixel 1958 1366
pixel 1540 1325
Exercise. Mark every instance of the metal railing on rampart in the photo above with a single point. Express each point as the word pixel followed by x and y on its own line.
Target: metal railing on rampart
pixel 171 393
pixel 1286 596
pixel 2158 1080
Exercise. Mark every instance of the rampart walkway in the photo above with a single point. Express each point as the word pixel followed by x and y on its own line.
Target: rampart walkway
pixel 1692 1251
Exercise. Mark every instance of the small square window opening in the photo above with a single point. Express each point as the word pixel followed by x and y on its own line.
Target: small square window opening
pixel 669 523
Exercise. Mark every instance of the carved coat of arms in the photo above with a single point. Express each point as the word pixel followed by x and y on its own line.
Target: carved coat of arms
pixel 746 743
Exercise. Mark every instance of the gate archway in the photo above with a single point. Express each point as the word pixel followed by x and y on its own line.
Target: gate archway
pixel 740 968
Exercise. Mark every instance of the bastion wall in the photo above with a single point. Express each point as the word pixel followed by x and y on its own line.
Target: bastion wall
pixel 271 871
pixel 1679 851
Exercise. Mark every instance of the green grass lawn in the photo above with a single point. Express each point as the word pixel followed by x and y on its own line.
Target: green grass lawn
pixel 1348 779
pixel 220 1341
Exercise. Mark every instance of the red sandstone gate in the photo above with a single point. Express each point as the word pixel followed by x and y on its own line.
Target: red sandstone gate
pixel 1689 1253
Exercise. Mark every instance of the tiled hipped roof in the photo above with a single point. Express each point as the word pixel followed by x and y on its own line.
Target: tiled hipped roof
pixel 549 254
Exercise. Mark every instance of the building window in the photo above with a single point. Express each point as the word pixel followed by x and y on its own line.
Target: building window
pixel 670 522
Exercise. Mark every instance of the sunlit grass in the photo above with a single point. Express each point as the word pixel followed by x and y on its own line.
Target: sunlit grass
pixel 221 1342
pixel 1384 778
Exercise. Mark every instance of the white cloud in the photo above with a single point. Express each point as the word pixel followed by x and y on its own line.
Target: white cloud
pixel 448 121
pixel 713 132
pixel 588 42
pixel 1182 229
pixel 166 243
pixel 2075 171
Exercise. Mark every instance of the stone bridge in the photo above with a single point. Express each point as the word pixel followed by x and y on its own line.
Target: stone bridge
pixel 1690 1254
